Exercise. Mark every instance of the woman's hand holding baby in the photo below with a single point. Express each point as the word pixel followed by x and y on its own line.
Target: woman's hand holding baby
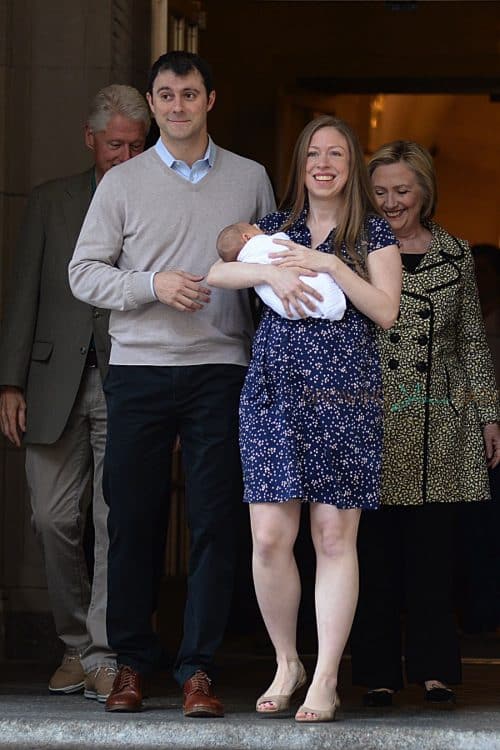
pixel 292 291
pixel 302 257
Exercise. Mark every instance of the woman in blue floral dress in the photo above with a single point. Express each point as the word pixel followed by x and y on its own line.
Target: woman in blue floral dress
pixel 310 415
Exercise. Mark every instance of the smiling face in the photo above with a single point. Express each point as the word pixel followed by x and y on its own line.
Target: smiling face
pixel 122 139
pixel 180 105
pixel 327 164
pixel 399 195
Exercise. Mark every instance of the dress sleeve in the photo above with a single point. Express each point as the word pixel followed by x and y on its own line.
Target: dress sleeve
pixel 379 233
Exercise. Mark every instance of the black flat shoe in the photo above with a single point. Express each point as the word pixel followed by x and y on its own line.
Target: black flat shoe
pixel 377 699
pixel 440 696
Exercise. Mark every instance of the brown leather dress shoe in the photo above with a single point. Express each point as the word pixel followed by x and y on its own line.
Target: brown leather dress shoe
pixel 126 693
pixel 199 699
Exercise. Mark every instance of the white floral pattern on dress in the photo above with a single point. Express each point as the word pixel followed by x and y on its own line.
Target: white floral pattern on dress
pixel 311 406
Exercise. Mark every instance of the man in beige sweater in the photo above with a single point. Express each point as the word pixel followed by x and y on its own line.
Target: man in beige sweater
pixel 178 360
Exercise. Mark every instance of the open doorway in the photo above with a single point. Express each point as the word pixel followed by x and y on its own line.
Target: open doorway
pixel 462 132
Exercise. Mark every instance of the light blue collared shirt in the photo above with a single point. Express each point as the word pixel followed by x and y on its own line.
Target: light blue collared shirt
pixel 200 168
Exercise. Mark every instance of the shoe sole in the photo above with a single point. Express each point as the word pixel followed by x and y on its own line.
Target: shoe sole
pixel 202 713
pixel 322 716
pixel 124 709
pixel 93 696
pixel 441 706
pixel 68 690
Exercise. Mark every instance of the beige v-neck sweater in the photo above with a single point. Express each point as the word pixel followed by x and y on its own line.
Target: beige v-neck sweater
pixel 144 218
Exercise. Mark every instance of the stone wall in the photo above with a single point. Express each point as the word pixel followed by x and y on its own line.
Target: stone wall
pixel 54 56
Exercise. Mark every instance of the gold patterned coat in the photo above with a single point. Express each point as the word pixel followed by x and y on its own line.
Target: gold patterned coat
pixel 439 383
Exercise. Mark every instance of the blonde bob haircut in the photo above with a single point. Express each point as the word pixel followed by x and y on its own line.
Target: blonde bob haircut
pixel 419 160
pixel 358 192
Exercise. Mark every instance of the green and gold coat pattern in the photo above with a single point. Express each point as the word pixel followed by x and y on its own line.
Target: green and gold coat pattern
pixel 439 383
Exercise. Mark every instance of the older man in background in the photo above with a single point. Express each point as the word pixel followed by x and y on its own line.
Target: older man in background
pixel 54 352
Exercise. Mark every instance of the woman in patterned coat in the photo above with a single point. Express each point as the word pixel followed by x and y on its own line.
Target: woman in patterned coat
pixel 440 434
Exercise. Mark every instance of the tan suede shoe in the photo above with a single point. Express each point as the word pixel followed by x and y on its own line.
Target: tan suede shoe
pixel 68 677
pixel 98 683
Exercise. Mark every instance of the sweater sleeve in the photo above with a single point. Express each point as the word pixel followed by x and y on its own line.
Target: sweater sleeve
pixel 266 203
pixel 473 346
pixel 95 275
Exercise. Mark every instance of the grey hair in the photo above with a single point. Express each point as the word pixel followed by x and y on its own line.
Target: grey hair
pixel 117 99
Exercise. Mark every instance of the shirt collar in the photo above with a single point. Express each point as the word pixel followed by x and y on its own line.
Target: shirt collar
pixel 170 160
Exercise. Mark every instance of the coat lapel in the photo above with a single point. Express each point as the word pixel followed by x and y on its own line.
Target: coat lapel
pixel 439 267
pixel 75 202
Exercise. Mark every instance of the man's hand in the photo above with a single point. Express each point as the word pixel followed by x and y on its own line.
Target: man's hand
pixel 181 290
pixel 12 413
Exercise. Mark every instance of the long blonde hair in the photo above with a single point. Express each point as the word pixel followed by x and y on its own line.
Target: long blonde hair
pixel 358 192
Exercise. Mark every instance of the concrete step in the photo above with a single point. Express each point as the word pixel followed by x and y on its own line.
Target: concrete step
pixel 31 718
pixel 71 722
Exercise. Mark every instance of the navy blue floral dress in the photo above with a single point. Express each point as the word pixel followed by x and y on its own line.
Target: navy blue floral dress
pixel 311 405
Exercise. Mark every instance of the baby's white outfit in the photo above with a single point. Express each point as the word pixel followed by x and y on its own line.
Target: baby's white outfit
pixel 333 305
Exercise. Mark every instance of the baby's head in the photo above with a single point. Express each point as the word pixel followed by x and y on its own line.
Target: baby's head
pixel 233 237
pixel 248 230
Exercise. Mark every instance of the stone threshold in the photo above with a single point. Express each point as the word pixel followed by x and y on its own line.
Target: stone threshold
pixel 240 732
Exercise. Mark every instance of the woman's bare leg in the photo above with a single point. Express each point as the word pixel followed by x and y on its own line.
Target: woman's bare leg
pixel 277 585
pixel 334 536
